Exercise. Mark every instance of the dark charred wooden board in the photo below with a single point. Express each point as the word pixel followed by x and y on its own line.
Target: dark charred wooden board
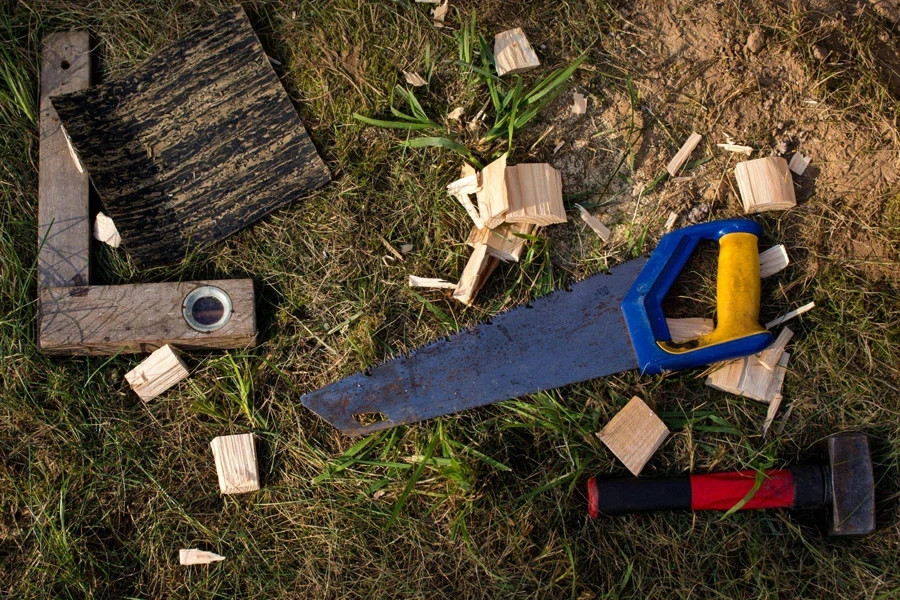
pixel 198 142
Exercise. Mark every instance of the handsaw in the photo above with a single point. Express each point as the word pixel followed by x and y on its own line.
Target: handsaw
pixel 605 324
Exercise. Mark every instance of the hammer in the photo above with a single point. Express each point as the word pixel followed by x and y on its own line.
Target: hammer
pixel 846 485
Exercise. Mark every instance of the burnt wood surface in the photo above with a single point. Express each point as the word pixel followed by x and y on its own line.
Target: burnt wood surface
pixel 194 144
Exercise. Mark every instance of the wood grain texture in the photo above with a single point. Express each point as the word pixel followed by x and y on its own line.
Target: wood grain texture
pixel 683 154
pixel 765 184
pixel 157 373
pixel 773 260
pixel 236 466
pixel 535 195
pixel 493 197
pixel 193 556
pixel 473 275
pixel 747 377
pixel 105 320
pixel 682 330
pixel 634 435
pixel 513 52
pixel 503 241
pixel 64 230
pixel 770 356
pixel 196 143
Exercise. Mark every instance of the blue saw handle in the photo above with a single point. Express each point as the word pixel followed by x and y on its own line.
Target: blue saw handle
pixel 738 332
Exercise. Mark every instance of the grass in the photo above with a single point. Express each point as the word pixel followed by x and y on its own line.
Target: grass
pixel 98 491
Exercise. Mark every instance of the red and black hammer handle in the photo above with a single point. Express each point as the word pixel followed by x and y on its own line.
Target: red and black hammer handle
pixel 797 487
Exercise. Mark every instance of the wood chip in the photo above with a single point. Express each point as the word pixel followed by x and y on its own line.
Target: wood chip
pixel 513 53
pixel 748 150
pixel 105 231
pixel 414 79
pixel 558 145
pixel 594 223
pixel 430 282
pixel 462 188
pixel 439 13
pixel 535 195
pixel 790 315
pixel 799 163
pixel 684 330
pixel 634 434
pixel 683 154
pixel 579 105
pixel 157 373
pixel 770 356
pixel 773 260
pixel 748 378
pixel 493 199
pixel 194 556
pixel 670 222
pixel 765 184
pixel 456 114
pixel 774 405
pixel 472 277
pixel 236 463
pixel 502 242
pixel 406 248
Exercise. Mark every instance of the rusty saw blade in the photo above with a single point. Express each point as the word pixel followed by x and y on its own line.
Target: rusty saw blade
pixel 564 337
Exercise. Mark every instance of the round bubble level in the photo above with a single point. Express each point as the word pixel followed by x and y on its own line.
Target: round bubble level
pixel 207 308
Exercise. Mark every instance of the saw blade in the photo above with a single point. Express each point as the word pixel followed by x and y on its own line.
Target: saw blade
pixel 564 337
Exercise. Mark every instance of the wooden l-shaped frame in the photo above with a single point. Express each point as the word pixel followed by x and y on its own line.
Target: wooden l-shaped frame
pixel 75 317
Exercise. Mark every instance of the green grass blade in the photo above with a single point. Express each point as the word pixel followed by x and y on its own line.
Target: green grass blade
pixel 391 124
pixel 420 468
pixel 441 142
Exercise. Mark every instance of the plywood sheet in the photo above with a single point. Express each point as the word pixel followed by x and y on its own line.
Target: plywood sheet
pixel 194 144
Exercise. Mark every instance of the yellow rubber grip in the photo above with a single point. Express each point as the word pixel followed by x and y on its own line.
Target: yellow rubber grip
pixel 737 294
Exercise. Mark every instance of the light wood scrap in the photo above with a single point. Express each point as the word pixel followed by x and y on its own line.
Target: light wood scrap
pixel 790 315
pixel 765 184
pixel 157 373
pixel 462 188
pixel 431 282
pixel 670 222
pixel 493 199
pixel 634 434
pixel 414 79
pixel 774 405
pixel 64 229
pixel 236 466
pixel 594 223
pixel 579 104
pixel 748 150
pixel 683 154
pixel 773 260
pixel 799 163
pixel 105 231
pixel 558 146
pixel 473 275
pixel 502 241
pixel 193 556
pixel 513 53
pixel 691 328
pixel 535 195
pixel 770 356
pixel 456 114
pixel 748 378
pixel 439 13
pixel 406 248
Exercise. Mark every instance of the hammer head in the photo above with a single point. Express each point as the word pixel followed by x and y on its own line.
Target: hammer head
pixel 852 485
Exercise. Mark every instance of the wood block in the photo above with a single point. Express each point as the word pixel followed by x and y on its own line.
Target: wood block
pixel 196 143
pixel 138 318
pixel 683 330
pixel 634 434
pixel 157 373
pixel 194 556
pixel 493 198
pixel 513 53
pixel 594 223
pixel 790 315
pixel 683 154
pixel 105 231
pixel 748 378
pixel 64 229
pixel 579 104
pixel 535 195
pixel 236 463
pixel 502 242
pixel 799 163
pixel 773 260
pixel 765 184
pixel 474 275
pixel 770 356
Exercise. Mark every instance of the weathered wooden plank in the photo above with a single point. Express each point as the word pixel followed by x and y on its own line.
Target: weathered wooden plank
pixel 64 230
pixel 194 144
pixel 138 318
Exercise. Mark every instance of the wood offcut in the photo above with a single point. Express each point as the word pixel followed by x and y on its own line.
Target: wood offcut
pixel 747 377
pixel 503 242
pixel 691 328
pixel 157 373
pixel 513 53
pixel 196 143
pixel 534 195
pixel 478 268
pixel 235 457
pixel 193 556
pixel 634 435
pixel 765 184
pixel 683 154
